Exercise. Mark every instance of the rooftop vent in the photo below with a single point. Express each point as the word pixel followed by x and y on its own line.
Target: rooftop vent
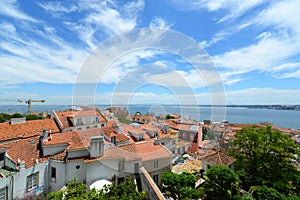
pixel 17 120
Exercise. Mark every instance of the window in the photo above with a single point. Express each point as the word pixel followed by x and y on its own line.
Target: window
pixel 3 193
pixel 32 181
pixel 53 174
pixel 78 129
pixel 79 121
pixel 121 165
pixel 155 179
pixel 96 126
pixel 174 141
pixel 156 164
pixel 2 156
pixel 88 119
pixel 88 127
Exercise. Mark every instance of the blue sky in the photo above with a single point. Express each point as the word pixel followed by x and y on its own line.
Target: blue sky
pixel 254 45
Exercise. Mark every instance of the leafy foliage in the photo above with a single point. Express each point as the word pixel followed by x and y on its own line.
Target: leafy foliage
pixel 123 191
pixel 32 117
pixel 221 183
pixel 5 116
pixel 264 158
pixel 180 186
pixel 170 117
pixel 124 120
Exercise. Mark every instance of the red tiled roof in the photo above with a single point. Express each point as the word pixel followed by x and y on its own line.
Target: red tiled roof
pixel 76 139
pixel 109 132
pixel 218 158
pixel 24 150
pixel 29 129
pixel 144 150
pixel 64 115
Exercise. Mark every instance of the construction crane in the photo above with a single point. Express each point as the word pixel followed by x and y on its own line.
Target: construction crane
pixel 27 101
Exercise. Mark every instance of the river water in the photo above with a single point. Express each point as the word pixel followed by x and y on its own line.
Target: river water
pixel 283 118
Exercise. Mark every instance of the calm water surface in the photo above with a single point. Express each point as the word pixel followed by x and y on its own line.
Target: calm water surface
pixel 283 118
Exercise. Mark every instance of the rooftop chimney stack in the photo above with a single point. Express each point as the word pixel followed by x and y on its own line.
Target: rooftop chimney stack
pixel 96 146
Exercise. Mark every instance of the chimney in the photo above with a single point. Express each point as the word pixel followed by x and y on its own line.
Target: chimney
pixel 45 135
pixel 17 121
pixel 118 128
pixel 96 146
pixel 166 128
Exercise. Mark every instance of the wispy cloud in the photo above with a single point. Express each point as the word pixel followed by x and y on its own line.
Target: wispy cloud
pixel 98 19
pixel 40 52
pixel 233 8
pixel 10 8
pixel 273 48
pixel 159 22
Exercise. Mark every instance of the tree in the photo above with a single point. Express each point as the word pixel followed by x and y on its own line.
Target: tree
pixel 74 190
pixel 221 183
pixel 170 117
pixel 264 157
pixel 124 120
pixel 180 186
pixel 32 117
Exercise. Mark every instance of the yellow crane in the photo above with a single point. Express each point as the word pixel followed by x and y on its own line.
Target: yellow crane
pixel 27 101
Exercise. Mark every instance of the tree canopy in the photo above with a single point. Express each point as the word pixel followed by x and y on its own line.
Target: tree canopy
pixel 124 191
pixel 180 186
pixel 221 183
pixel 264 158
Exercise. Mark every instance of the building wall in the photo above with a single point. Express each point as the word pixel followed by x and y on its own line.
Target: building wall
pixel 101 170
pixel 76 168
pixel 78 153
pixel 16 183
pixel 53 149
pixel 150 187
pixel 60 180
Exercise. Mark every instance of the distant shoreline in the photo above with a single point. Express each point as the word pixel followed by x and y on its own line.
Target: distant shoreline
pixel 273 107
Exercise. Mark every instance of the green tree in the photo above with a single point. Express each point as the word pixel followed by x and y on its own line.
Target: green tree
pixel 17 115
pixel 74 190
pixel 180 186
pixel 32 117
pixel 170 117
pixel 2 119
pixel 124 120
pixel 264 157
pixel 125 190
pixel 221 183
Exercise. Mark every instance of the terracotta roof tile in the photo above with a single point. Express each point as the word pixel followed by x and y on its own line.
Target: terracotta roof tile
pixel 219 158
pixel 25 150
pixel 64 116
pixel 143 150
pixel 28 129
pixel 76 139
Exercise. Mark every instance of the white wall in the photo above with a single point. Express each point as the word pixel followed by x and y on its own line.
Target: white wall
pixel 16 183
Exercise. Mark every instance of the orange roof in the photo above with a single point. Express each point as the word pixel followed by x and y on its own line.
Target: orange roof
pixel 64 116
pixel 144 150
pixel 109 132
pixel 76 139
pixel 24 150
pixel 29 129
pixel 219 158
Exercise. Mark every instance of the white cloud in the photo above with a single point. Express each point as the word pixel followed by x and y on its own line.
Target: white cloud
pixel 99 19
pixel 244 96
pixel 273 48
pixel 159 22
pixel 36 52
pixel 234 8
pixel 263 96
pixel 10 8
